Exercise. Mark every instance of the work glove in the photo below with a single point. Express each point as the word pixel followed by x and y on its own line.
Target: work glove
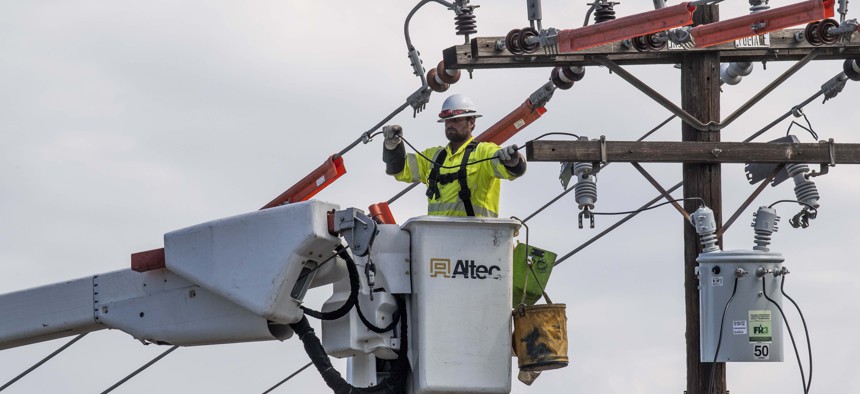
pixel 392 135
pixel 508 156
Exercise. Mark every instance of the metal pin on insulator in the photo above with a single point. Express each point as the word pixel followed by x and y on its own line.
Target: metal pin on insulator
pixel 804 189
pixel 732 73
pixel 764 225
pixel 851 67
pixel 563 77
pixel 706 226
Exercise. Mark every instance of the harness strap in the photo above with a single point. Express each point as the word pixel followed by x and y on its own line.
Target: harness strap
pixel 434 179
pixel 465 194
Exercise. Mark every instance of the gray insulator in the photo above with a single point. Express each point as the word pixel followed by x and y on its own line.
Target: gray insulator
pixel 764 225
pixel 586 185
pixel 706 226
pixel 804 189
pixel 732 73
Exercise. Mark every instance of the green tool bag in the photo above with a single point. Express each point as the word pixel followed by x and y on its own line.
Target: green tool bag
pixel 529 291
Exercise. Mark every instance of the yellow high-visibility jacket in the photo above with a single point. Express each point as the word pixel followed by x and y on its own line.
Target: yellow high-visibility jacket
pixel 483 179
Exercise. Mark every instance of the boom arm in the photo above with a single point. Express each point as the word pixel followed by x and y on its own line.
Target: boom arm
pixel 237 279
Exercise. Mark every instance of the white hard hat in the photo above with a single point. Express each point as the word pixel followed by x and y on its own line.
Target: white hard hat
pixel 457 106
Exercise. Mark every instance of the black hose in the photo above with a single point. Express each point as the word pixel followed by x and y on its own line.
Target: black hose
pixel 395 383
pixel 353 291
pixel 372 327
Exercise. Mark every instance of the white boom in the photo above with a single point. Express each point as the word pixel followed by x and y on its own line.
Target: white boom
pixel 243 279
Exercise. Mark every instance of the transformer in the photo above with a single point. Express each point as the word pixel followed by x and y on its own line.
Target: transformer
pixel 749 327
pixel 739 297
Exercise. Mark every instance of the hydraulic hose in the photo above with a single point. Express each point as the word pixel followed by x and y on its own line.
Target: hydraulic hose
pixel 353 291
pixel 395 383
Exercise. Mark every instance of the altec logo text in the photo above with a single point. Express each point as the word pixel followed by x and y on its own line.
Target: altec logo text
pixel 467 269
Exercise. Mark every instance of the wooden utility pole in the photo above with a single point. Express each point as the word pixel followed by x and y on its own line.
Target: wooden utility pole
pixel 700 97
pixel 701 152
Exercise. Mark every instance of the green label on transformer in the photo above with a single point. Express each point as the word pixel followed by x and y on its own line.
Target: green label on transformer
pixel 760 326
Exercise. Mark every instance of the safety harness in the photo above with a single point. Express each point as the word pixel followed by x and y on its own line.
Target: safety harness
pixel 435 178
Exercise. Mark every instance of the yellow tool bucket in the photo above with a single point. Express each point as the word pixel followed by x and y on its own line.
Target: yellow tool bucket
pixel 540 337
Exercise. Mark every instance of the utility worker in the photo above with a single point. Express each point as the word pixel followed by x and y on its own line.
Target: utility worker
pixel 462 178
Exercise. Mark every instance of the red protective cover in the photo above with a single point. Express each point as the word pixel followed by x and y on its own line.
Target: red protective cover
pixel 381 213
pixel 510 125
pixel 148 260
pixel 665 18
pixel 774 19
pixel 311 184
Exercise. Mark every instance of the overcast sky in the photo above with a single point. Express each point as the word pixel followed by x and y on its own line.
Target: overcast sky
pixel 123 120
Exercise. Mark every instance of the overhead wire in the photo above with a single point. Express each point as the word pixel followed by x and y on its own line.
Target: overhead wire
pixel 288 377
pixel 42 361
pixel 640 210
pixel 516 148
pixel 805 330
pixel 562 194
pixel 790 334
pixel 679 184
pixel 720 336
pixel 367 136
pixel 141 369
pixel 618 223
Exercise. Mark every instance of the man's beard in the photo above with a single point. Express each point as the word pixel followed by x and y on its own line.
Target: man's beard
pixel 456 136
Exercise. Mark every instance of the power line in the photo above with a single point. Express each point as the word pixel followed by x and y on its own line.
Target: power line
pixel 139 370
pixel 288 378
pixel 614 226
pixel 678 185
pixel 44 360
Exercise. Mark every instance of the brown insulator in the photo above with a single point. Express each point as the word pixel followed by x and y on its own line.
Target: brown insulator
pixel 445 75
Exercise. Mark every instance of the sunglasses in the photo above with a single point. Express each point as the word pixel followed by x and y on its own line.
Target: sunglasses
pixel 453 112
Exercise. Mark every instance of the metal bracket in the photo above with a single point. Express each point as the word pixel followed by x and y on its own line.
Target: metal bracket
pixel 418 100
pixel 586 213
pixel 775 171
pixel 542 96
pixel 825 167
pixel 834 86
pixel 755 172
pixel 602 150
pixel 357 229
pixel 548 40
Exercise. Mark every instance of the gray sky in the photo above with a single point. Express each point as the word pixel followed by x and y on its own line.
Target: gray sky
pixel 121 121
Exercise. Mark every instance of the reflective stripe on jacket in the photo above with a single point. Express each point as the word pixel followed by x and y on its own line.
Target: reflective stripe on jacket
pixel 484 179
